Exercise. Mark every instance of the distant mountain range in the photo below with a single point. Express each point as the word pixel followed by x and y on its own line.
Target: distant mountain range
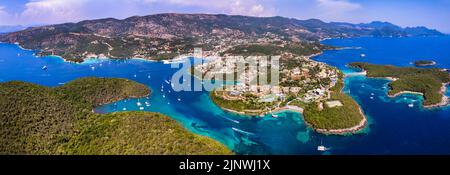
pixel 135 35
pixel 8 29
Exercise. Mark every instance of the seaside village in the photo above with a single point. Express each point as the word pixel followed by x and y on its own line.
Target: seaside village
pixel 299 79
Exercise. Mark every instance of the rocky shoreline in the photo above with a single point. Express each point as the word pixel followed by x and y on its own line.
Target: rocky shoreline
pixel 352 130
pixel 445 100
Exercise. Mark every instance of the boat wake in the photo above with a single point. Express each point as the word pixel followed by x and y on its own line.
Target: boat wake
pixel 235 121
pixel 241 131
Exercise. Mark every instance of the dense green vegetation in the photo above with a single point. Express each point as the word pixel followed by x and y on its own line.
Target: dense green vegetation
pixel 140 133
pixel 341 117
pixel 41 120
pixel 302 49
pixel 426 81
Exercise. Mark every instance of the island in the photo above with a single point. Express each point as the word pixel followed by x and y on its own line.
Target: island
pixel 60 120
pixel 311 88
pixel 422 63
pixel 431 83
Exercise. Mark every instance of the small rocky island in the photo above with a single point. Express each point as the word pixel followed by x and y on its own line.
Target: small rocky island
pixel 422 63
pixel 429 82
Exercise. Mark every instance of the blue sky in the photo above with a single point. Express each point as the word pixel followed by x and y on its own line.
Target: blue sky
pixel 430 13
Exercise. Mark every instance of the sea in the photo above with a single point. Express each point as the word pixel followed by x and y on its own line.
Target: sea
pixel 395 126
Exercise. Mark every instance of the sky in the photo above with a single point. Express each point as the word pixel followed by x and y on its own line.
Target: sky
pixel 430 13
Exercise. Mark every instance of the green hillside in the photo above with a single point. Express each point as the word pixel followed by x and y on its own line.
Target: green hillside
pixel 41 120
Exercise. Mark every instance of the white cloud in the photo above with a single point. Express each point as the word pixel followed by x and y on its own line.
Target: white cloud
pixel 336 9
pixel 53 11
pixel 59 11
pixel 4 17
pixel 235 7
pixel 338 5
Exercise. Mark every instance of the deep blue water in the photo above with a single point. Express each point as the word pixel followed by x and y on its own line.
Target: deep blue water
pixel 394 127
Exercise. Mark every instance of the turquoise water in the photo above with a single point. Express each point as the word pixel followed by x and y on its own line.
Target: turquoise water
pixel 394 127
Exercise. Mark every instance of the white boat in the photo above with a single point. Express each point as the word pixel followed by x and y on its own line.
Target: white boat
pixel 124 109
pixel 141 108
pixel 321 148
pixel 167 81
pixel 168 103
pixel 147 103
pixel 139 104
pixel 411 105
pixel 93 68
pixel 148 77
pixel 274 115
pixel 179 99
pixel 371 98
pixel 134 75
pixel 164 96
pixel 363 55
pixel 44 68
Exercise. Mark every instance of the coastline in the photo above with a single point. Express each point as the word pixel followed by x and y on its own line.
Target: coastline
pixel 343 131
pixel 352 130
pixel 445 101
pixel 84 59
